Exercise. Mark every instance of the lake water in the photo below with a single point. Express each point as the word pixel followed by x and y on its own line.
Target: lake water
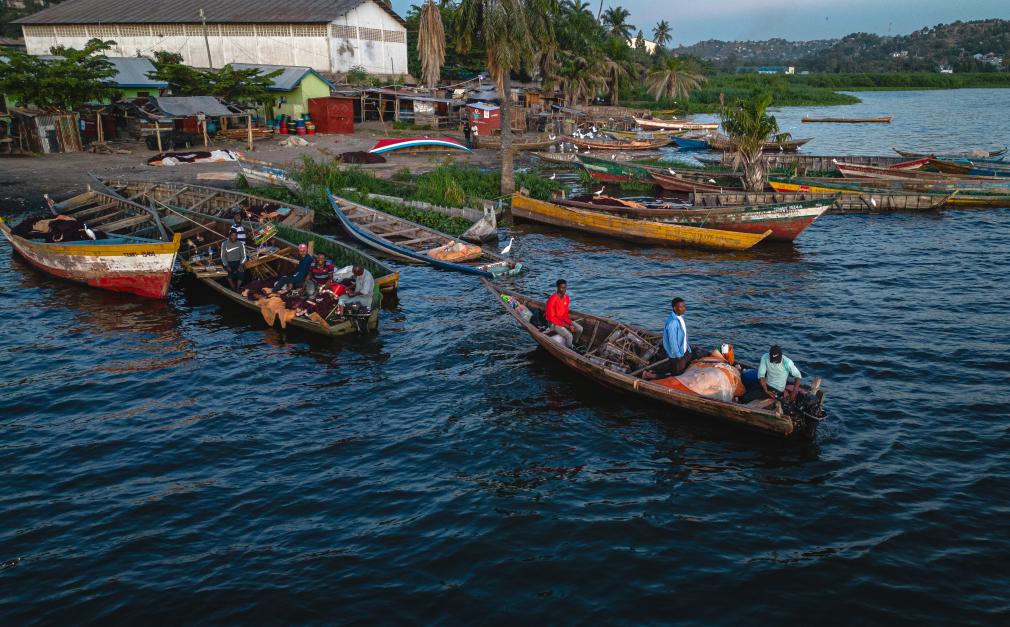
pixel 177 462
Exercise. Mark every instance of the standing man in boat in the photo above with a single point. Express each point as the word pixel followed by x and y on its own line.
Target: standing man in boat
pixel 774 372
pixel 233 259
pixel 675 344
pixel 557 315
pixel 237 228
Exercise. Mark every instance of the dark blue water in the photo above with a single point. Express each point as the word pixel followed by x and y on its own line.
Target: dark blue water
pixel 177 462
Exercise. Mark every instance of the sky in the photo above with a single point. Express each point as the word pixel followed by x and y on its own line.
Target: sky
pixel 796 20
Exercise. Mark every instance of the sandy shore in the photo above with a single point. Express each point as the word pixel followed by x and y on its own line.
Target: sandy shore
pixel 24 179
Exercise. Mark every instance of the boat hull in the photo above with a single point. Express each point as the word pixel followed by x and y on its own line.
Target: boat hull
pixel 634 230
pixel 886 119
pixel 142 269
pixel 675 125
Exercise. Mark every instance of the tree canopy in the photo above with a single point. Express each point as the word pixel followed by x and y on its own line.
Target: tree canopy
pixel 245 87
pixel 68 81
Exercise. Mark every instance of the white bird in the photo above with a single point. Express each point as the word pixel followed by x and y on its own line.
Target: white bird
pixel 873 201
pixel 554 176
pixel 508 248
pixel 711 180
pixel 89 232
pixel 600 193
pixel 594 128
pixel 552 137
pixel 613 157
pixel 575 147
pixel 672 173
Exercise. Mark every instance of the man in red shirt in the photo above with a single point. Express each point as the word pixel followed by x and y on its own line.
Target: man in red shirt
pixel 557 315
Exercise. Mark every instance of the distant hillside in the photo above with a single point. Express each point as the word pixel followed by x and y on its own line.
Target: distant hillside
pixel 981 46
pixel 729 55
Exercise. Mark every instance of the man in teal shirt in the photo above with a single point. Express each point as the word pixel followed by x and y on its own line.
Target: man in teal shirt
pixel 774 371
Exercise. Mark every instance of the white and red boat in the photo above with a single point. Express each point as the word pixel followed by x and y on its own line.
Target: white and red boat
pixel 675 125
pixel 417 144
pixel 124 256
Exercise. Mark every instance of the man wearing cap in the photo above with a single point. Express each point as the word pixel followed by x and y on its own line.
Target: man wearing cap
pixel 774 371
pixel 298 278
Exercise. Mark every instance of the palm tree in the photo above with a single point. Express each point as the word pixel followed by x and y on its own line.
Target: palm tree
pixel 661 33
pixel 749 126
pixel 513 32
pixel 616 21
pixel 431 44
pixel 673 77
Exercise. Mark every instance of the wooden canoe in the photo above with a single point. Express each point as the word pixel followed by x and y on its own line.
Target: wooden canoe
pixel 674 125
pixel 756 416
pixel 409 241
pixel 884 119
pixel 896 199
pixel 866 202
pixel 518 143
pixel 721 142
pixel 136 257
pixel 266 173
pixel 968 154
pixel 631 229
pixel 212 201
pixel 279 258
pixel 682 185
pixel 971 169
pixel 417 144
pixel 603 144
pixel 642 135
pixel 786 219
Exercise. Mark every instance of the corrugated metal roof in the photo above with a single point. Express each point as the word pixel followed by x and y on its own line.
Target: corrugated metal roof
pixel 182 106
pixel 132 72
pixel 288 79
pixel 188 12
pixel 483 106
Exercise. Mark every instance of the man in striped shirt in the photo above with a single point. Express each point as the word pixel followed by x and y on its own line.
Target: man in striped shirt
pixel 238 229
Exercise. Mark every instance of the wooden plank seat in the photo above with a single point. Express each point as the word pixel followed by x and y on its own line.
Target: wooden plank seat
pixel 126 223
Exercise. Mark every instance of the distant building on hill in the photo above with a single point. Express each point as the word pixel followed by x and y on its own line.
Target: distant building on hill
pixel 326 35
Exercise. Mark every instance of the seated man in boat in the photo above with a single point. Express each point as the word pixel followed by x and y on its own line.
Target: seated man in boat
pixel 557 316
pixel 301 272
pixel 774 372
pixel 237 228
pixel 677 351
pixel 320 274
pixel 233 258
pixel 361 292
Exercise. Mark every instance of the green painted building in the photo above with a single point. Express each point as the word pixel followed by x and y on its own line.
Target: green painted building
pixel 132 78
pixel 292 88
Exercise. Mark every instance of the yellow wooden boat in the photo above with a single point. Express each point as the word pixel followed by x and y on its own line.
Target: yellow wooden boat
pixel 631 229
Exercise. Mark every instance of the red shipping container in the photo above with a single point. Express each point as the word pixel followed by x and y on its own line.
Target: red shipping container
pixel 485 119
pixel 332 114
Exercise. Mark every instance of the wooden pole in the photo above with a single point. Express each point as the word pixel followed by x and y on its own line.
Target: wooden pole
pixel 205 132
pixel 249 130
pixel 98 127
pixel 157 133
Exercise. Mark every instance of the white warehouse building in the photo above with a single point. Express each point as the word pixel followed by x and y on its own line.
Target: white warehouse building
pixel 326 35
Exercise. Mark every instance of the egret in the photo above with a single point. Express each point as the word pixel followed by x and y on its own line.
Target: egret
pixel 554 176
pixel 600 192
pixel 672 173
pixel 89 232
pixel 711 180
pixel 873 201
pixel 508 247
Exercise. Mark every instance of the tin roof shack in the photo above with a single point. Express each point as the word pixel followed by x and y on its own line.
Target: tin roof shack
pixel 195 117
pixel 410 106
pixel 333 114
pixel 45 133
pixel 292 88
pixel 132 79
pixel 484 118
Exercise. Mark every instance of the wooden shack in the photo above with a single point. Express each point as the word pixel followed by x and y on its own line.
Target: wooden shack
pixel 45 133
pixel 332 114
pixel 484 118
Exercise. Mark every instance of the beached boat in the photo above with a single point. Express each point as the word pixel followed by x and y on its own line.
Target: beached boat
pixel 884 119
pixel 970 169
pixel 266 173
pixel 274 258
pixel 610 171
pixel 616 354
pixel 950 195
pixel 604 144
pixel 674 125
pixel 850 170
pixel 680 184
pixel 865 202
pixel 721 142
pixel 631 229
pixel 642 135
pixel 131 252
pixel 786 219
pixel 212 201
pixel 692 143
pixel 518 143
pixel 968 154
pixel 413 243
pixel 855 170
pixel 417 144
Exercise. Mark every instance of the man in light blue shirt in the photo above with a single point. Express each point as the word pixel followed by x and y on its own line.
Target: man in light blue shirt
pixel 675 344
pixel 774 372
